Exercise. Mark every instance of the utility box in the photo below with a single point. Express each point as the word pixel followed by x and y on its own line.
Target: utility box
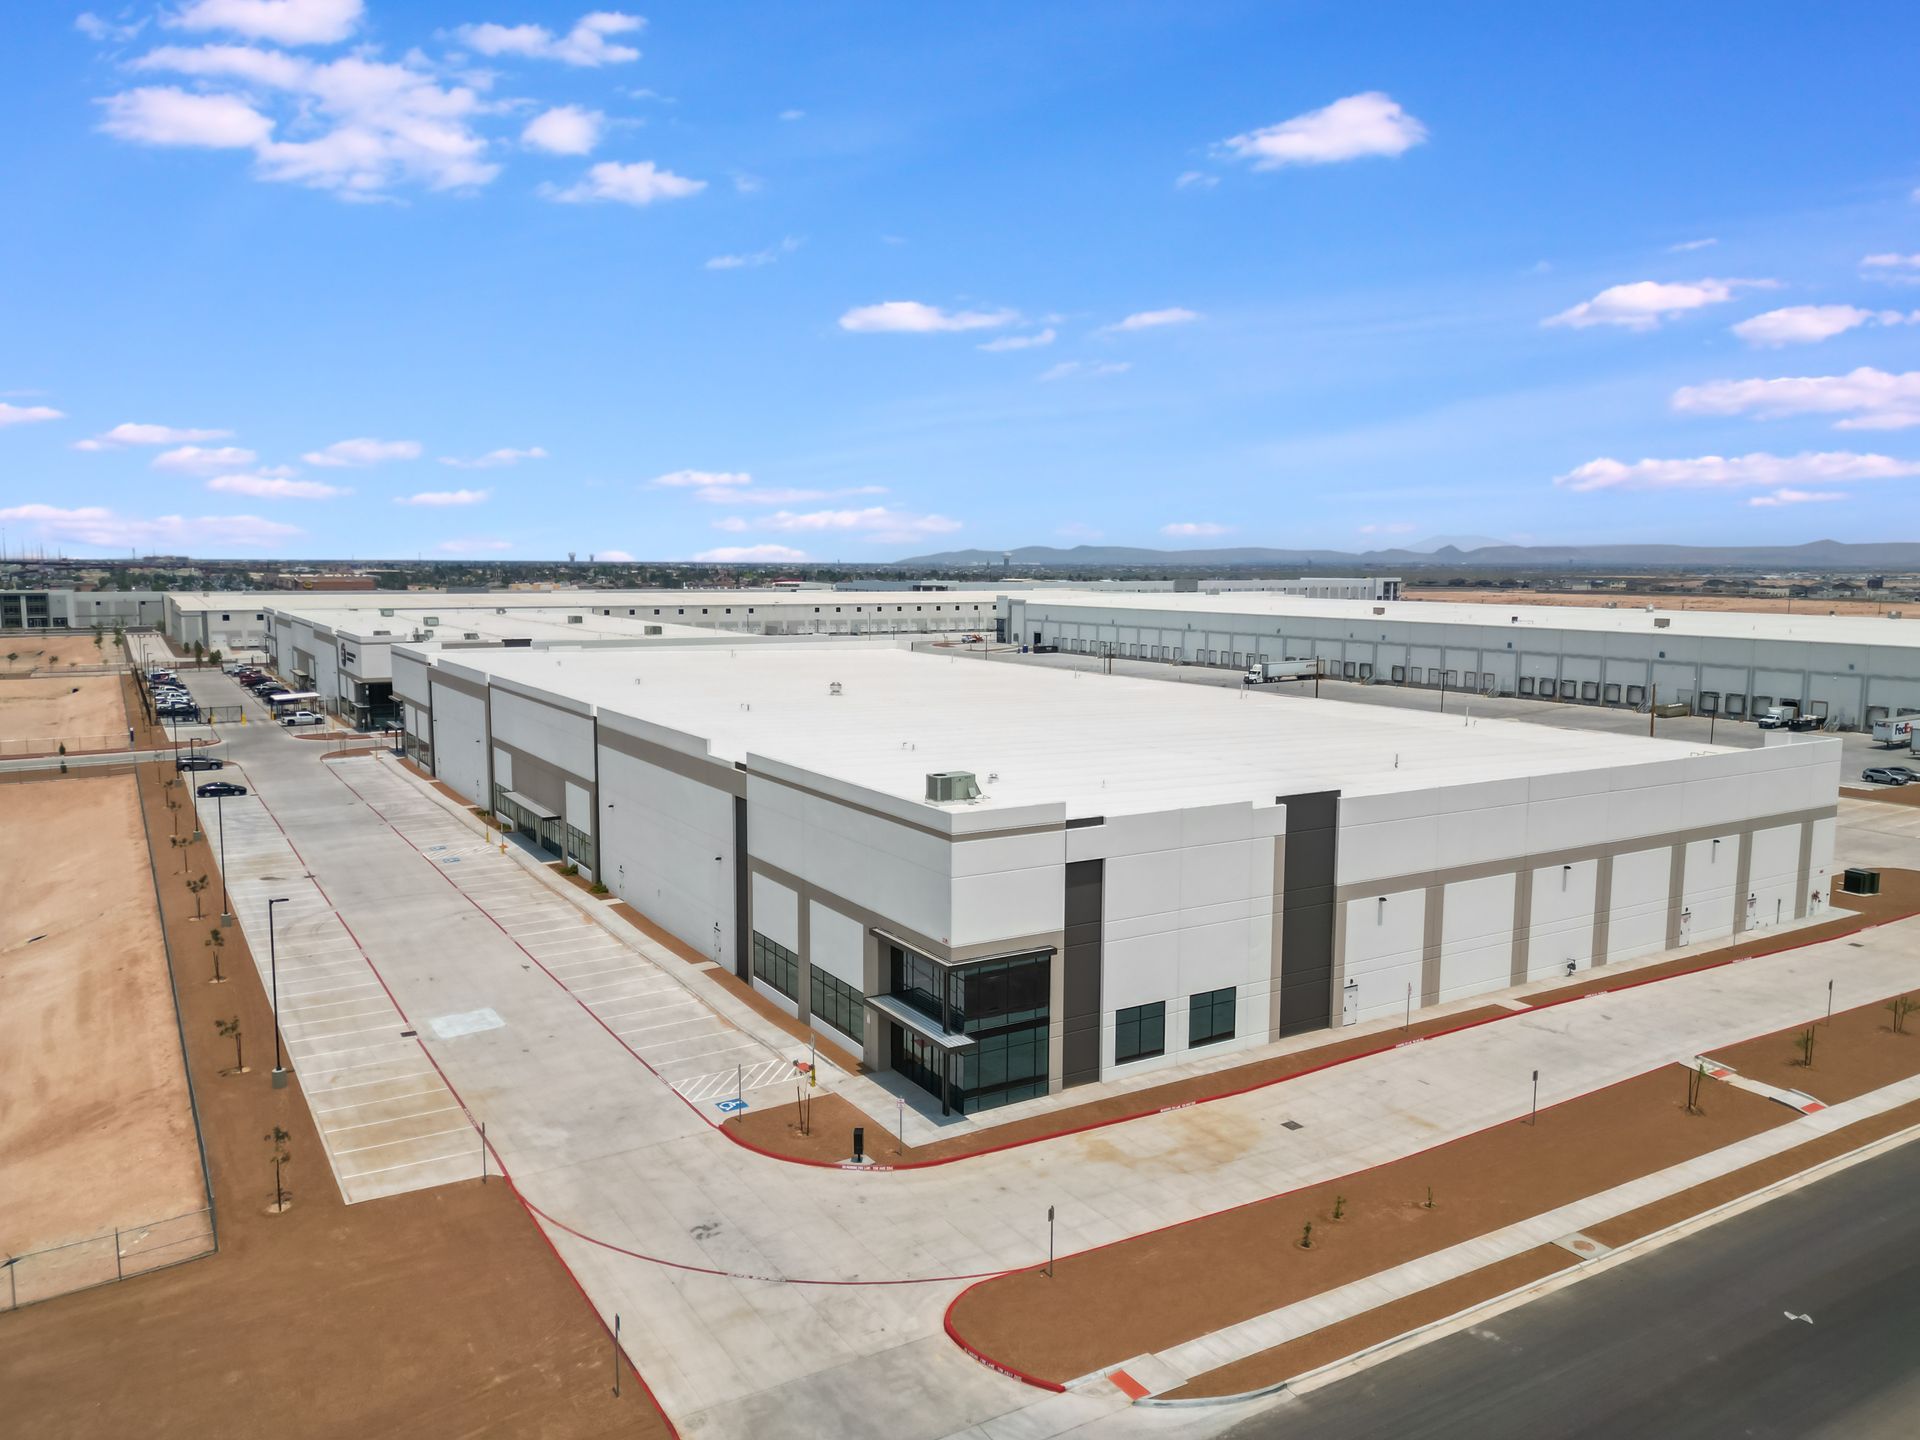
pixel 951 787
pixel 1861 882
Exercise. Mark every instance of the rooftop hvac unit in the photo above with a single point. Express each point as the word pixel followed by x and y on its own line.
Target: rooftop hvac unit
pixel 575 619
pixel 1663 622
pixel 499 609
pixel 470 635
pixel 951 787
pixel 1379 609
pixel 386 614
pixel 651 630
pixel 429 619
pixel 833 687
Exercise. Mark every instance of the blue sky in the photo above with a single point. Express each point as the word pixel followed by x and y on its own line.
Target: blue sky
pixel 855 281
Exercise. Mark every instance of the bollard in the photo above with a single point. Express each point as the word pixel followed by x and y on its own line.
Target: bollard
pixel 859 1144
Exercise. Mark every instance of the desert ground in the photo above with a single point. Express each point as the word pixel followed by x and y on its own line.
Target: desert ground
pixel 84 712
pixel 96 1133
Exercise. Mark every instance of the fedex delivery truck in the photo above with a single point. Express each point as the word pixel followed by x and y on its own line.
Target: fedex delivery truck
pixel 1895 730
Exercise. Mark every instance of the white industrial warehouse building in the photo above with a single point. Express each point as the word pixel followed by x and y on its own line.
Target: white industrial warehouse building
pixel 1148 872
pixel 1852 670
pixel 231 621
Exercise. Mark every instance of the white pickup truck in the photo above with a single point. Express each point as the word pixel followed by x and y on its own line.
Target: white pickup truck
pixel 303 717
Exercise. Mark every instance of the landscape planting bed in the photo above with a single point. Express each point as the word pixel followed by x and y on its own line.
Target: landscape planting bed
pixel 1857 1052
pixel 1103 1306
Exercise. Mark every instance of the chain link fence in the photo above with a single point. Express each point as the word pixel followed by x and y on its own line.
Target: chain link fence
pixel 76 744
pixel 102 1259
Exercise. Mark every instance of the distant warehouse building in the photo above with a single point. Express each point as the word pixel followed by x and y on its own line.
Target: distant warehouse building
pixel 998 881
pixel 1852 670
pixel 237 620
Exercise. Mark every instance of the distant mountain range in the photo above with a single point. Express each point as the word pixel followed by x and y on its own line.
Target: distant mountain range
pixel 1896 555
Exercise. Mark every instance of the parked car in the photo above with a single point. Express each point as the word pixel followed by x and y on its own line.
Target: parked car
pixel 215 789
pixel 1885 775
pixel 1907 775
pixel 199 762
pixel 304 717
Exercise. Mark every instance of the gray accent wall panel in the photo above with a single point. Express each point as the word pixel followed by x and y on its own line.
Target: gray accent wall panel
pixel 1081 960
pixel 743 896
pixel 1308 908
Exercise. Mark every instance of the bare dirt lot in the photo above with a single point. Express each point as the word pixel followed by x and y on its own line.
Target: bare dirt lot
pixel 1759 604
pixel 95 1128
pixel 1104 1306
pixel 85 712
pixel 436 1313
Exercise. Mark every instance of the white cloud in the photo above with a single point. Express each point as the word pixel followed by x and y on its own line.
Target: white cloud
pixel 1643 304
pixel 910 317
pixel 612 557
pixel 443 498
pixel 365 125
pixel 95 28
pixel 1195 180
pixel 354 454
pixel 747 554
pixel 1085 370
pixel 1194 530
pixel 27 414
pixel 1736 472
pixel 285 22
pixel 494 459
pixel 792 115
pixel 589 43
pixel 756 258
pixel 473 545
pixel 200 460
pixel 1806 324
pixel 1349 129
pixel 138 434
pixel 1796 497
pixel 275 487
pixel 564 130
pixel 1901 269
pixel 1153 320
pixel 872 522
pixel 165 115
pixel 1682 247
pixel 1021 342
pixel 702 479
pixel 97 525
pixel 1394 528
pixel 750 495
pixel 640 183
pixel 1869 399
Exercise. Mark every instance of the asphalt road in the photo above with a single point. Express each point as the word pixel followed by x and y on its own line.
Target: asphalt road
pixel 1696 1339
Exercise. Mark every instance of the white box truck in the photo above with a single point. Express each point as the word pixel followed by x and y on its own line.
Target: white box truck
pixel 1895 730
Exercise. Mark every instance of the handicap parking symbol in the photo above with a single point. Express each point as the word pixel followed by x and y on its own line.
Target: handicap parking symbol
pixel 730 1107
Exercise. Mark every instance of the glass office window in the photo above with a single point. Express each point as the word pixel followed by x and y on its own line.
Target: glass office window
pixel 1210 1017
pixel 776 965
pixel 836 1003
pixel 1139 1032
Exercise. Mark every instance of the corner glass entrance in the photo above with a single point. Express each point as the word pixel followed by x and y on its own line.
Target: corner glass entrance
pixel 1001 1005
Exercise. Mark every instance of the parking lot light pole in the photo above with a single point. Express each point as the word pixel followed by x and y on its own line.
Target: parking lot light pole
pixel 226 903
pixel 273 971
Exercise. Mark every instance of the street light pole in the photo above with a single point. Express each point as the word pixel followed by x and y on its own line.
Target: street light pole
pixel 226 903
pixel 273 970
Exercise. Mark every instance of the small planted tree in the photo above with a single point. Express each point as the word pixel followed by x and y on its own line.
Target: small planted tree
pixel 213 657
pixel 1803 1042
pixel 1696 1082
pixel 1339 1206
pixel 1429 1204
pixel 1900 1007
pixel 230 1030
pixel 194 887
pixel 99 638
pixel 282 1157
pixel 1306 1236
pixel 217 942
pixel 199 650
